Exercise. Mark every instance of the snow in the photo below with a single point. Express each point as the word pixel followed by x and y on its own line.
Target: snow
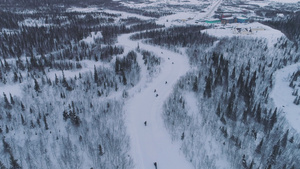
pixel 286 1
pixel 125 15
pixel 240 17
pixel 87 66
pixel 183 18
pixel 191 104
pixel 152 143
pixel 83 10
pixel 91 38
pixel 260 3
pixel 14 89
pixel 155 3
pixel 258 31
pixel 35 22
pixel 282 95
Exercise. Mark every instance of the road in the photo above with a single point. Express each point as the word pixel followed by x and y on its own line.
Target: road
pixel 212 9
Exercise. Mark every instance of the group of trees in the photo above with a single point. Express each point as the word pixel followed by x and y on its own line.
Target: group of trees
pixel 66 30
pixel 151 61
pixel 10 20
pixel 128 69
pixel 240 124
pixel 64 116
pixel 36 3
pixel 63 120
pixel 289 26
pixel 176 36
pixel 39 49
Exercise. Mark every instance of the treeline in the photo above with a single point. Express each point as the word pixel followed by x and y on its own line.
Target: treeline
pixel 10 20
pixel 176 36
pixel 232 87
pixel 38 49
pixel 149 13
pixel 35 3
pixel 21 39
pixel 40 39
pixel 289 26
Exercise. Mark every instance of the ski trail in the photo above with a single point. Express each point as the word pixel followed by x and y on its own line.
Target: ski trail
pixel 152 143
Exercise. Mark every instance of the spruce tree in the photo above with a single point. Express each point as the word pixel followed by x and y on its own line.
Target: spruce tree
pixel 218 111
pixel 56 79
pixel 7 105
pixel 14 162
pixel 195 85
pixel 207 90
pixel 259 146
pixel 2 166
pixel 46 124
pixel 11 99
pixel 6 146
pixel 23 120
pixel 273 119
pixel 101 153
pixel 36 86
pixel 285 138
pixel 95 75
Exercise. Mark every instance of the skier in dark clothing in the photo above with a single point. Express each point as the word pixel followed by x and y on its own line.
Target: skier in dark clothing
pixel 155 165
pixel 145 123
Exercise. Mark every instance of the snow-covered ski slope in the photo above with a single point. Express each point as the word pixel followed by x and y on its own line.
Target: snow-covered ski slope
pixel 282 95
pixel 152 143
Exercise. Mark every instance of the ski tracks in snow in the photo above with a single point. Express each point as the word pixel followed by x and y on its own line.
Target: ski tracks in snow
pixel 152 143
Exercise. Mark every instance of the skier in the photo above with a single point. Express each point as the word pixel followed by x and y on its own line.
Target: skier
pixel 166 82
pixel 156 95
pixel 145 123
pixel 155 165
pixel 154 90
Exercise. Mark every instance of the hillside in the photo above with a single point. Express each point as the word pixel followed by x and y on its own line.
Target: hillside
pixel 149 84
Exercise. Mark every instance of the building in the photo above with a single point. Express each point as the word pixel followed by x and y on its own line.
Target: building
pixel 213 21
pixel 226 15
pixel 228 20
pixel 241 20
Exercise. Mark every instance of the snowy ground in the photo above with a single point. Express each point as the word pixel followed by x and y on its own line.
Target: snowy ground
pixel 152 143
pixel 183 18
pixel 35 22
pixel 87 66
pixel 267 2
pixel 83 10
pixel 258 31
pixel 285 1
pixel 282 95
pixel 124 15
pixel 91 38
pixel 260 3
pixel 13 89
pixel 155 3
